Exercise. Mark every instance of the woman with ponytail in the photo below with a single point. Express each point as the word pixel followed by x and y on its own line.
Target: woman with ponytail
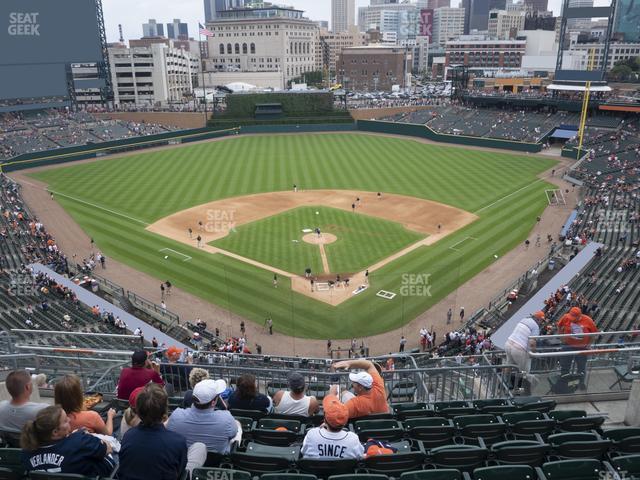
pixel 48 445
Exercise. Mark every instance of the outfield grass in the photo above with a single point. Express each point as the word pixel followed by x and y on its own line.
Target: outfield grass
pixel 362 240
pixel 118 198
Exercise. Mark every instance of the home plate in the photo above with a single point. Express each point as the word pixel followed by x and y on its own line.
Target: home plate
pixel 386 295
pixel 360 289
pixel 306 230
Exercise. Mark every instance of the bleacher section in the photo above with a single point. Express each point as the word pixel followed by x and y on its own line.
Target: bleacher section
pixel 490 123
pixel 53 129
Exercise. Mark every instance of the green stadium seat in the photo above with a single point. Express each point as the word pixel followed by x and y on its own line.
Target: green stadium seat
pixel 403 411
pixel 505 472
pixel 258 458
pixel 432 432
pixel 214 459
pixel 526 424
pixel 461 457
pixel 10 439
pixel 264 431
pixel 579 445
pixel 583 469
pixel 211 473
pixel 57 476
pixel 287 476
pixel 453 408
pixel 629 464
pixel 436 474
pixel 489 427
pixel 10 459
pixel 490 402
pixel 388 430
pixel 358 476
pixel 245 422
pixel 534 403
pixel 273 387
pixel 520 452
pixel 407 458
pixel 625 439
pixel 403 391
pixel 326 468
pixel 8 474
pixel 253 414
pixel 576 420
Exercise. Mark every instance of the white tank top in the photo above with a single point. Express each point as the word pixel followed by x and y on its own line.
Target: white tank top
pixel 289 406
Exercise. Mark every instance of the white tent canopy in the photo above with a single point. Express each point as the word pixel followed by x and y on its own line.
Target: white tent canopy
pixel 579 88
pixel 240 87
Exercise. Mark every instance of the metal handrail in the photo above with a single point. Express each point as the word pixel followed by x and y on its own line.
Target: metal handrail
pixel 58 332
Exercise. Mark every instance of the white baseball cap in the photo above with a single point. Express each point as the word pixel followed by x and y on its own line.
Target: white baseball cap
pixel 205 391
pixel 362 378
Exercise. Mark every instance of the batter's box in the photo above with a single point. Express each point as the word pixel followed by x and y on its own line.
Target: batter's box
pixel 322 287
pixel 386 295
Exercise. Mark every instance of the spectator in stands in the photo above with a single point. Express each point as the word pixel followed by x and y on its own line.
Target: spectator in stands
pixel 294 401
pixel 576 323
pixel 142 371
pixel 369 395
pixel 19 410
pixel 48 444
pixel 130 418
pixel 202 423
pixel 69 395
pixel 330 440
pixel 196 375
pixel 519 345
pixel 247 397
pixel 150 450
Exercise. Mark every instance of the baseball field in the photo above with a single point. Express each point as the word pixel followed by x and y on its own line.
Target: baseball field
pixel 423 219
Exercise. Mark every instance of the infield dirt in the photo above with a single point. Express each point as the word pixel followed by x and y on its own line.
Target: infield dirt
pixel 214 220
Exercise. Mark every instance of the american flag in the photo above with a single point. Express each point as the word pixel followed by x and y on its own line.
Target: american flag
pixel 204 31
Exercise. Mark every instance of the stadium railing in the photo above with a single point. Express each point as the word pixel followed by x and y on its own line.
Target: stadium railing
pixel 167 318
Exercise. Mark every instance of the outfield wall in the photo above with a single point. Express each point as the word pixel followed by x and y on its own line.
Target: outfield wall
pixel 422 131
pixel 302 128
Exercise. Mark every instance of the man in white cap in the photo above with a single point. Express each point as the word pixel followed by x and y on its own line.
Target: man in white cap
pixel 217 429
pixel 369 395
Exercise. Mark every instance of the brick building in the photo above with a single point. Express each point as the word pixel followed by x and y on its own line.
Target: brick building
pixel 372 68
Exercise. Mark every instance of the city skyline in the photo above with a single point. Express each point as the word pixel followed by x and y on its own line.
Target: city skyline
pixel 133 14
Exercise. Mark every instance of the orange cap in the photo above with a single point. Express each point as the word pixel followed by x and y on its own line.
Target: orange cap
pixel 336 413
pixel 575 312
pixel 539 315
pixel 173 352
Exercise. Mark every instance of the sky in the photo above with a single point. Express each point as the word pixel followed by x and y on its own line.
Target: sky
pixel 133 13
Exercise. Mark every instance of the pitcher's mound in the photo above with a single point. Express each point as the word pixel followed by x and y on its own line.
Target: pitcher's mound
pixel 323 239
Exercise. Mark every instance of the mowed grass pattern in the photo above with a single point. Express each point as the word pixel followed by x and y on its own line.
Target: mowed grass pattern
pixel 143 188
pixel 362 240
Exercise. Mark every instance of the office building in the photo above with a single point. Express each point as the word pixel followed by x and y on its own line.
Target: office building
pixel 152 29
pixel 269 39
pixel 177 30
pixel 343 15
pixel 373 68
pixel 504 25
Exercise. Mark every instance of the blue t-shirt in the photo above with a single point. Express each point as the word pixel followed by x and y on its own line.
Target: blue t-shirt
pixel 79 453
pixel 259 402
pixel 152 453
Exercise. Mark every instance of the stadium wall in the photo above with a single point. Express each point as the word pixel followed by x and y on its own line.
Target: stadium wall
pixel 184 120
pixel 322 127
pixel 423 131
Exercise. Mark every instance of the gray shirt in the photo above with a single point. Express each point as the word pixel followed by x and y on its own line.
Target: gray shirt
pixel 13 418
pixel 214 428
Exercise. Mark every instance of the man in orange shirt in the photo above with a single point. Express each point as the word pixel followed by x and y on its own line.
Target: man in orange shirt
pixel 575 323
pixel 368 386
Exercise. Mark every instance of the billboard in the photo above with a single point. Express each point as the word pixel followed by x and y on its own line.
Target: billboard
pixel 426 22
pixel 49 34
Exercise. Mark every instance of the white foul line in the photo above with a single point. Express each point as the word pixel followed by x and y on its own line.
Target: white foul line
pixel 100 208
pixel 458 243
pixel 187 257
pixel 507 196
